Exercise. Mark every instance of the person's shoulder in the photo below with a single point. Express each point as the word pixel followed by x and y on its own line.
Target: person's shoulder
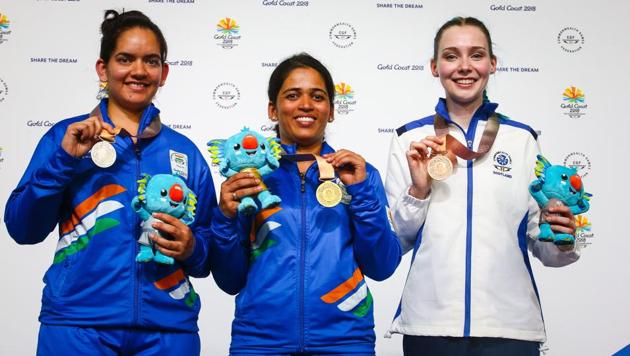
pixel 517 125
pixel 415 124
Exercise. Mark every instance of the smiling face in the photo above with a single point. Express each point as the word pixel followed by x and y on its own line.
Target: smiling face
pixel 135 70
pixel 166 194
pixel 463 64
pixel 302 109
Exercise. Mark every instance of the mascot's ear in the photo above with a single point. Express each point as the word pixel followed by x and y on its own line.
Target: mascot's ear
pixel 273 153
pixel 191 206
pixel 541 166
pixel 215 147
pixel 142 183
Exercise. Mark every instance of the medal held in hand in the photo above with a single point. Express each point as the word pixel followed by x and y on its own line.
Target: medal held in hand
pixel 329 194
pixel 440 166
pixel 103 154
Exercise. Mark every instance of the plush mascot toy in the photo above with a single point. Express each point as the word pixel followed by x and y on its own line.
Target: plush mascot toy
pixel 557 185
pixel 161 193
pixel 248 151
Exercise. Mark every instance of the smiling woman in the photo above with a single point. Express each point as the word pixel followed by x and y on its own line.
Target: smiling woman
pixel 470 290
pixel 300 279
pixel 83 176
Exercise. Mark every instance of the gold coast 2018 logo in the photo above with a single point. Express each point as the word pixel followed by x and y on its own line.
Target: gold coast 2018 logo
pixel 228 33
pixel 344 98
pixel 573 102
pixel 4 28
pixel 583 231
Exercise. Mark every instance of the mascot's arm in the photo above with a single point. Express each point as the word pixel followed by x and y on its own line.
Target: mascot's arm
pixel 138 207
pixel 581 207
pixel 535 188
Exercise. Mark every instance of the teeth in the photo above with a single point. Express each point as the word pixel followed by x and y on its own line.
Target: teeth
pixel 464 81
pixel 305 119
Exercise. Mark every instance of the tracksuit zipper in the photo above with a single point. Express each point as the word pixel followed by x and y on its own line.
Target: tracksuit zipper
pixel 136 266
pixel 302 259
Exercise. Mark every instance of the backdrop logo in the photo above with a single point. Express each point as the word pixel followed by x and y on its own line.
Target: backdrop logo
pixel 579 162
pixel 228 33
pixel 4 28
pixel 573 102
pixel 583 232
pixel 4 90
pixel 1 157
pixel 226 95
pixel 344 98
pixel 502 164
pixel 570 39
pixel 342 35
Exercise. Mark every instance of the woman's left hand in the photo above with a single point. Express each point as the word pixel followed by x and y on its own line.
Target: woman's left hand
pixel 350 166
pixel 562 221
pixel 183 243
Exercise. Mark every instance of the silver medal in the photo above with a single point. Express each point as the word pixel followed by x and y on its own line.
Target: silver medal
pixel 103 154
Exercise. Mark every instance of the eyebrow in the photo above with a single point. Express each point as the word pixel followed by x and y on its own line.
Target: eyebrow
pixel 473 47
pixel 300 89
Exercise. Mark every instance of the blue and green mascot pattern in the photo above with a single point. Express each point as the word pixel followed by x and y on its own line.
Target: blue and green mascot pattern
pixel 161 193
pixel 248 151
pixel 557 185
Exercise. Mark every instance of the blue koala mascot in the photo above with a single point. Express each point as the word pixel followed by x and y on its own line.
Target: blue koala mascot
pixel 557 185
pixel 161 193
pixel 248 151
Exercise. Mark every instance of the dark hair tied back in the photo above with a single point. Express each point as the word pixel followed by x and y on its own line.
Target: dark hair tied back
pixel 114 24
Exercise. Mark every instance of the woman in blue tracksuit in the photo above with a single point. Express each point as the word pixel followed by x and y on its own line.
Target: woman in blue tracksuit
pixel 299 268
pixel 98 300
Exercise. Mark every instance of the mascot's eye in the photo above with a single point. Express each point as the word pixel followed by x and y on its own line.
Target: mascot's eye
pixel 163 192
pixel 237 147
pixel 262 146
pixel 564 177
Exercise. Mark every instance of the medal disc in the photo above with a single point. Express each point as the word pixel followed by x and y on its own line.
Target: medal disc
pixel 328 194
pixel 103 154
pixel 440 167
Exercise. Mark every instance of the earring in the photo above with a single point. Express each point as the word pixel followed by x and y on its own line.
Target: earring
pixel 273 118
pixel 103 91
pixel 331 119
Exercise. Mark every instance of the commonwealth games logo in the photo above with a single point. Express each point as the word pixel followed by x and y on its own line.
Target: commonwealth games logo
pixel 227 35
pixel 342 35
pixel 583 233
pixel 344 98
pixel 570 39
pixel 4 28
pixel 578 161
pixel 226 95
pixel 573 102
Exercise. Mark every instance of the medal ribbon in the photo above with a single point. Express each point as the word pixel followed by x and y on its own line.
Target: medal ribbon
pixel 150 131
pixel 326 170
pixel 456 147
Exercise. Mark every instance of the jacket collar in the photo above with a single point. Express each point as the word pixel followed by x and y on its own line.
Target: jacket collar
pixel 483 112
pixel 150 124
pixel 291 149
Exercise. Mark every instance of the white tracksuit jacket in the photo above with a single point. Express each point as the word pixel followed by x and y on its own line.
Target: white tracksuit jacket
pixel 470 273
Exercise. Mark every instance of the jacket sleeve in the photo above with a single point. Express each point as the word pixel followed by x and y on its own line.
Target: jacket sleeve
pixel 33 208
pixel 548 253
pixel 408 213
pixel 376 247
pixel 198 263
pixel 229 253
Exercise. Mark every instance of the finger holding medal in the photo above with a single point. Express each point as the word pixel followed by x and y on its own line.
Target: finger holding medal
pixel 350 167
pixel 81 136
pixel 418 157
pixel 233 189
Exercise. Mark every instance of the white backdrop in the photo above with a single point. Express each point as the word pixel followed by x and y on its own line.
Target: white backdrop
pixel 381 49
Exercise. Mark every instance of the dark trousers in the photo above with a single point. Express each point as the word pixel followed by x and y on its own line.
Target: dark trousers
pixel 467 346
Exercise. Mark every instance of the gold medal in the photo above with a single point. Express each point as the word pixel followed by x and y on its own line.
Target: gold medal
pixel 329 194
pixel 103 154
pixel 440 167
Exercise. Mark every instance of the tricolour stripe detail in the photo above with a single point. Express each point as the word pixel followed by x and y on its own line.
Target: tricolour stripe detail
pixel 82 241
pixel 88 204
pixel 262 233
pixel 364 307
pixel 180 292
pixel 344 288
pixel 87 223
pixel 171 280
pixel 352 301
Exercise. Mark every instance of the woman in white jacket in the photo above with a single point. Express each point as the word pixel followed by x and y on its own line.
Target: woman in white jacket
pixel 470 289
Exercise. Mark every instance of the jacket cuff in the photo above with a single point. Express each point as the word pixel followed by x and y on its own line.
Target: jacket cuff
pixel 363 195
pixel 222 225
pixel 198 255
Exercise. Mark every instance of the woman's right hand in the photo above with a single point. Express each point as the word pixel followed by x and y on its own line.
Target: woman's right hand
pixel 81 136
pixel 234 188
pixel 418 160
